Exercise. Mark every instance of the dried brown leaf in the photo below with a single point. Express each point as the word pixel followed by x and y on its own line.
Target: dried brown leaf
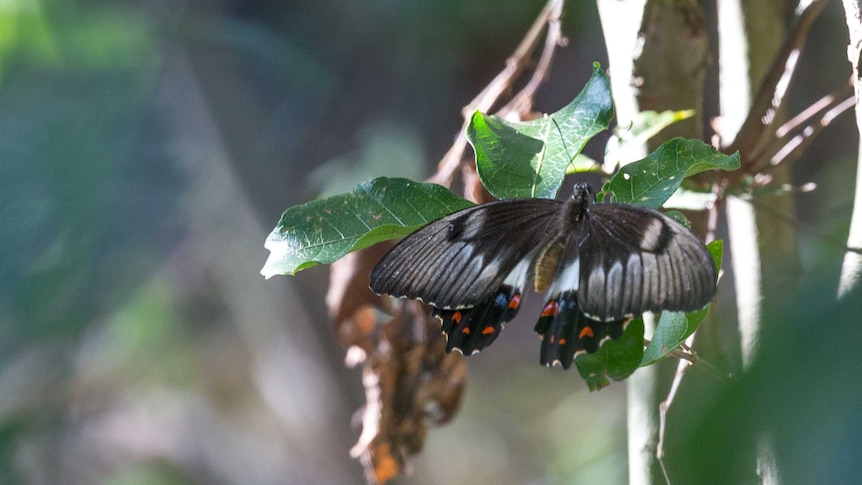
pixel 410 381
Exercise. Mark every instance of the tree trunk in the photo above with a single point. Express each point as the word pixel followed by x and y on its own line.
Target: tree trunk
pixel 665 73
pixel 851 269
pixel 764 256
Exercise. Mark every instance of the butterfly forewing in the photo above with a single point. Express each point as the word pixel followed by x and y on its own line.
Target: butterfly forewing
pixel 635 259
pixel 461 260
pixel 470 330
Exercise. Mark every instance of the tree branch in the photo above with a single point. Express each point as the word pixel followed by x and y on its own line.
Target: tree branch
pixel 771 94
pixel 515 64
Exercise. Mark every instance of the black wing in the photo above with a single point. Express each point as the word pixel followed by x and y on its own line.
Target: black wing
pixel 566 331
pixel 634 259
pixel 472 329
pixel 462 260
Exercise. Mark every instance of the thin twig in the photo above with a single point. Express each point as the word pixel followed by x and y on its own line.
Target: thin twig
pixel 793 148
pixel 822 105
pixel 686 353
pixel 681 367
pixel 515 64
pixel 687 358
pixel 522 103
pixel 796 134
pixel 771 95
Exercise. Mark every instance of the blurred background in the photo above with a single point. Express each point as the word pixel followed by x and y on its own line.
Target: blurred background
pixel 147 148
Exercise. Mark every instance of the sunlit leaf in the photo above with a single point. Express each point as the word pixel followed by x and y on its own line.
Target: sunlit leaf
pixel 652 180
pixel 529 159
pixel 324 230
pixel 628 140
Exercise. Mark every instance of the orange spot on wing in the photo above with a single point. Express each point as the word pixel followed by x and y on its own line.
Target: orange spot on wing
pixel 515 302
pixel 466 331
pixel 586 332
pixel 488 330
pixel 562 341
pixel 551 309
pixel 456 317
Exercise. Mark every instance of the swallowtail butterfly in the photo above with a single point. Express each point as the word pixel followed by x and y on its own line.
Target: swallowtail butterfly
pixel 601 264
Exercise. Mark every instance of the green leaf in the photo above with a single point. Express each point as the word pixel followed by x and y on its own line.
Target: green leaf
pixel 615 359
pixel 324 230
pixel 652 180
pixel 716 250
pixel 629 139
pixel 671 331
pixel 674 327
pixel 529 159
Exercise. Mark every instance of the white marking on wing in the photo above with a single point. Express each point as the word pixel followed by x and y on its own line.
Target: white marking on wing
pixel 596 292
pixel 615 289
pixel 649 293
pixel 488 273
pixel 570 278
pixel 474 224
pixel 652 235
pixel 634 281
pixel 518 276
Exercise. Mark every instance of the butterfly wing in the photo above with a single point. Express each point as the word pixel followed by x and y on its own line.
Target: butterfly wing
pixel 472 329
pixel 566 331
pixel 462 260
pixel 606 264
pixel 634 259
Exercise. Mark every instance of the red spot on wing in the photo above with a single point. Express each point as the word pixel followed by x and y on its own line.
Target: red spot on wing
pixel 515 302
pixel 586 332
pixel 551 309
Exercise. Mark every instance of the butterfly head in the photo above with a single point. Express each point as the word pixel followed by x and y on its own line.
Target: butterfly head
pixel 575 208
pixel 582 197
pixel 583 193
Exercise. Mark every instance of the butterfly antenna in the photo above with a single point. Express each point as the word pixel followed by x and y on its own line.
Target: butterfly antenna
pixel 565 147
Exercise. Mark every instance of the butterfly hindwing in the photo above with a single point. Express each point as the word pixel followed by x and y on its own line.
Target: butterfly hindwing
pixel 472 329
pixel 461 260
pixel 567 332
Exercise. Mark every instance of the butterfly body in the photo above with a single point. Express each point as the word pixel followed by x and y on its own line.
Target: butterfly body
pixel 600 263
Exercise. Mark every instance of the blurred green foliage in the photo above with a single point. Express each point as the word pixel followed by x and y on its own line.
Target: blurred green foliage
pixel 89 204
pixel 84 190
pixel 147 147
